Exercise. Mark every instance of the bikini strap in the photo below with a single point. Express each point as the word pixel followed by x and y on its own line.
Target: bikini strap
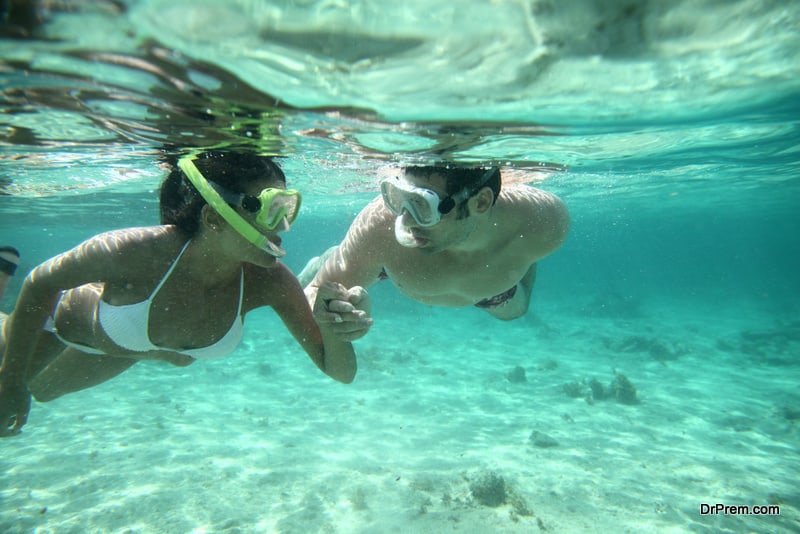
pixel 169 271
pixel 241 294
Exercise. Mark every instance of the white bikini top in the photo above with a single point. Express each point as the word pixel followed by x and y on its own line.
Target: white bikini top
pixel 128 325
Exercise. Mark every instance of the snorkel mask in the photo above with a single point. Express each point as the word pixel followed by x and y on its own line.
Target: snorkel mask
pixel 275 209
pixel 425 205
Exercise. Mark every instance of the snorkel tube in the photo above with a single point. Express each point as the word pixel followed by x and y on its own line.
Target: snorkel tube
pixel 245 229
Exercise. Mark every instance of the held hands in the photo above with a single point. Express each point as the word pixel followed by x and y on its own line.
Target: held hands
pixel 346 312
pixel 15 403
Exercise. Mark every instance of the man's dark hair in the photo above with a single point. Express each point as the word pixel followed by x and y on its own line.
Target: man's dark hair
pixel 458 178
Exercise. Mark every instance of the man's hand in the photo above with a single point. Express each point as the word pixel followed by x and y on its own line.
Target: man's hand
pixel 346 312
pixel 15 403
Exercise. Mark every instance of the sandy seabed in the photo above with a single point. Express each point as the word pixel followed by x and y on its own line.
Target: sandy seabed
pixel 455 423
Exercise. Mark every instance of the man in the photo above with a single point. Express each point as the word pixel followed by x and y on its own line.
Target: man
pixel 445 236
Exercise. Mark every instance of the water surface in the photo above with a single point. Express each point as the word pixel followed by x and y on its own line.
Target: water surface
pixel 670 129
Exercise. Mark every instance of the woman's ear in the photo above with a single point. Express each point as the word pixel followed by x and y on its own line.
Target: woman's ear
pixel 211 219
pixel 482 200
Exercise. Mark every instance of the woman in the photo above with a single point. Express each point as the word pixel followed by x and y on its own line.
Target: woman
pixel 176 292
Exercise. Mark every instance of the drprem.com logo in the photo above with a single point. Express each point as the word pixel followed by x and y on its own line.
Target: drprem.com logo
pixel 741 509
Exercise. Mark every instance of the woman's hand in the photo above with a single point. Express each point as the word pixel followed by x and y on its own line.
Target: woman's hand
pixel 346 312
pixel 15 403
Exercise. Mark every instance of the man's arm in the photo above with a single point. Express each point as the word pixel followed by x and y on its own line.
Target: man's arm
pixel 545 220
pixel 356 264
pixel 545 227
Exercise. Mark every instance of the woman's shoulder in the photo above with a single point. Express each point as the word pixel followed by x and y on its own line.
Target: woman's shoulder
pixel 129 249
pixel 266 286
pixel 136 238
pixel 127 253
pixel 277 274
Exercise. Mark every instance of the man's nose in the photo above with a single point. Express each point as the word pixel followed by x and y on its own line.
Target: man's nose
pixel 406 219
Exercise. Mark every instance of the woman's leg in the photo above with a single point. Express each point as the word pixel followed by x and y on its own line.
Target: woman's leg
pixel 55 369
pixel 73 370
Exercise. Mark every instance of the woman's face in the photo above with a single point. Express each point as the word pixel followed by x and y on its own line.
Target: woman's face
pixel 253 253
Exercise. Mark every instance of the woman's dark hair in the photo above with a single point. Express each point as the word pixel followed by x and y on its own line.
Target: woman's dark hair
pixel 180 201
pixel 458 178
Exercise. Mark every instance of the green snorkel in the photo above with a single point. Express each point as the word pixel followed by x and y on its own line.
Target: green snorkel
pixel 215 200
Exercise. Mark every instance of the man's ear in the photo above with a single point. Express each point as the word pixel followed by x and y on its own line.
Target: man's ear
pixel 482 200
pixel 211 219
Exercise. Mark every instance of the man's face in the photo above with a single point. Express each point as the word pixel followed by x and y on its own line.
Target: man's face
pixel 449 231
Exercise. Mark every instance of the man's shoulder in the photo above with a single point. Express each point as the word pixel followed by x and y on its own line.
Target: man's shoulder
pixel 538 214
pixel 523 202
pixel 374 218
pixel 371 227
pixel 532 207
pixel 525 195
pixel 376 208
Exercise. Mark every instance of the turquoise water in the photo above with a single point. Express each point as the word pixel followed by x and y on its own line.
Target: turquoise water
pixel 669 129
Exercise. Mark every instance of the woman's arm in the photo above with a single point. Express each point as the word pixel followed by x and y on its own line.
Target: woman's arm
pixel 327 350
pixel 93 260
pixel 105 258
pixel 37 299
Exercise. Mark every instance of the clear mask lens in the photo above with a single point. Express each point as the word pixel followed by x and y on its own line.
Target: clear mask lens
pixel 421 203
pixel 279 208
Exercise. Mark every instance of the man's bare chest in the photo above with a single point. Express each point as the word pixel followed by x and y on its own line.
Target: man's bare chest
pixel 449 282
